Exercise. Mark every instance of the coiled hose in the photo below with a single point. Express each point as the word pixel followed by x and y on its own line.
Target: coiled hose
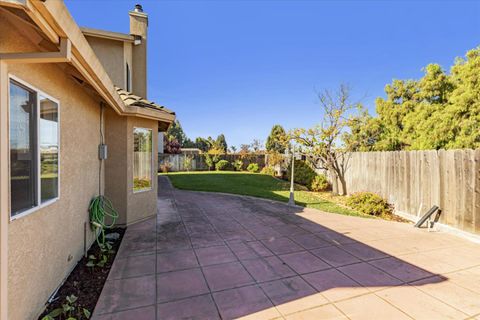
pixel 100 208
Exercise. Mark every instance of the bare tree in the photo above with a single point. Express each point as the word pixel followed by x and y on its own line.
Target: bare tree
pixel 244 148
pixel 257 145
pixel 322 144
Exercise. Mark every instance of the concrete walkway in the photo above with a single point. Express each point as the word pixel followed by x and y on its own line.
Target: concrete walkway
pixel 211 256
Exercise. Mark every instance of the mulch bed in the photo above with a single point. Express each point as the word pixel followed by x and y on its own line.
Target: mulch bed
pixel 85 283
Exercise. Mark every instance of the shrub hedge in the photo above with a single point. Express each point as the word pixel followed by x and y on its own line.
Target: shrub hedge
pixel 303 173
pixel 320 183
pixel 268 170
pixel 222 165
pixel 369 203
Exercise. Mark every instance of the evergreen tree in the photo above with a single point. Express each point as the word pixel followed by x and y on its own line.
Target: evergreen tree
pixel 221 143
pixel 438 111
pixel 175 131
pixel 277 140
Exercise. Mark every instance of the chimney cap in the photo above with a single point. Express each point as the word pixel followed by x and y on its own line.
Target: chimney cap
pixel 138 8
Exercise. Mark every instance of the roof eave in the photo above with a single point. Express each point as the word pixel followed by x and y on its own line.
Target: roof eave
pixel 54 19
pixel 104 34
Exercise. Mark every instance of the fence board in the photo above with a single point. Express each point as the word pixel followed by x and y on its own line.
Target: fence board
pixel 413 181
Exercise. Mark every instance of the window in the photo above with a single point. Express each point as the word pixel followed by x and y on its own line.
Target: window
pixel 142 159
pixel 33 149
pixel 129 85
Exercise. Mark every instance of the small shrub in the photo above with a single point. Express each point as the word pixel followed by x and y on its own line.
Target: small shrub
pixel 268 170
pixel 187 162
pixel 237 165
pixel 69 310
pixel 165 167
pixel 211 160
pixel 304 174
pixel 222 165
pixel 320 183
pixel 369 203
pixel 252 167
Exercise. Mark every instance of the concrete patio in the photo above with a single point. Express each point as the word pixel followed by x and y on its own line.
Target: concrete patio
pixel 213 256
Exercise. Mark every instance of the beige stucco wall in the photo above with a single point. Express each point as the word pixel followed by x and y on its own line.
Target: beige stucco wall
pixel 45 245
pixel 131 207
pixel 116 163
pixel 141 204
pixel 111 55
pixel 139 26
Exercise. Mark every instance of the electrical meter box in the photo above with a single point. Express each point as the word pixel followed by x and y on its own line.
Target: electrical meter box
pixel 102 151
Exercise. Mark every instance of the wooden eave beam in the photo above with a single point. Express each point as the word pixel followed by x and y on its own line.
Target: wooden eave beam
pixel 32 10
pixel 64 55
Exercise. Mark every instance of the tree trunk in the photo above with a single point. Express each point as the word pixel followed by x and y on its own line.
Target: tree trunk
pixel 343 182
pixel 334 180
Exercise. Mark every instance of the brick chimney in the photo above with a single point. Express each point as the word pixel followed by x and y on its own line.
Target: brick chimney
pixel 138 28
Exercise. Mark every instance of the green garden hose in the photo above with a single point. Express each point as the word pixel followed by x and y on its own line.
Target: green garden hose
pixel 100 208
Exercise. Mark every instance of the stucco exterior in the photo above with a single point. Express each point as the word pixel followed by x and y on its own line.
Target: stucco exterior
pixel 39 249
pixel 141 204
pixel 111 55
pixel 131 206
pixel 46 244
pixel 116 164
pixel 138 27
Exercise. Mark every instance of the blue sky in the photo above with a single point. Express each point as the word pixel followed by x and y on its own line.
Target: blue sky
pixel 239 67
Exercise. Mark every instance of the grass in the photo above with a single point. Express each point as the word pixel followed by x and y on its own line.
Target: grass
pixel 257 185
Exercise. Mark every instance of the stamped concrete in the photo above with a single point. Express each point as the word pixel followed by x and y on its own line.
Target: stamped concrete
pixel 213 256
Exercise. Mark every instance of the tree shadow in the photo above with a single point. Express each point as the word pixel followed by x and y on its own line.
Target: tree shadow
pixel 284 257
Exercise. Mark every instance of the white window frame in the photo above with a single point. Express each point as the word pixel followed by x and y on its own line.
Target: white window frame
pixel 151 163
pixel 40 205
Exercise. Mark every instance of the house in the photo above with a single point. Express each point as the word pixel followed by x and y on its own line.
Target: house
pixel 65 94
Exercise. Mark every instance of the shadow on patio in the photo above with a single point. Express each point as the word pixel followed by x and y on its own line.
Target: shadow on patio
pixel 211 256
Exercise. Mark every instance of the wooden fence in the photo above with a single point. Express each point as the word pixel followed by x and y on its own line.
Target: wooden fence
pixel 142 165
pixel 413 181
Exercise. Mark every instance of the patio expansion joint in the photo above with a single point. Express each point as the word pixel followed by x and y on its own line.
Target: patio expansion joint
pixel 442 301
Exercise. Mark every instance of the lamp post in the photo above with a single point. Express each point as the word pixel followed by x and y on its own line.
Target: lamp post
pixel 291 200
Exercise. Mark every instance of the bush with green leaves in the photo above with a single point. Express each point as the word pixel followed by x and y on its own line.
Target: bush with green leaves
pixel 304 174
pixel 70 310
pixel 252 167
pixel 188 162
pixel 222 165
pixel 369 203
pixel 100 261
pixel 268 170
pixel 320 183
pixel 237 165
pixel 211 160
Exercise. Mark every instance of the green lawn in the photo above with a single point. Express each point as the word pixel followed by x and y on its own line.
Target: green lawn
pixel 253 184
